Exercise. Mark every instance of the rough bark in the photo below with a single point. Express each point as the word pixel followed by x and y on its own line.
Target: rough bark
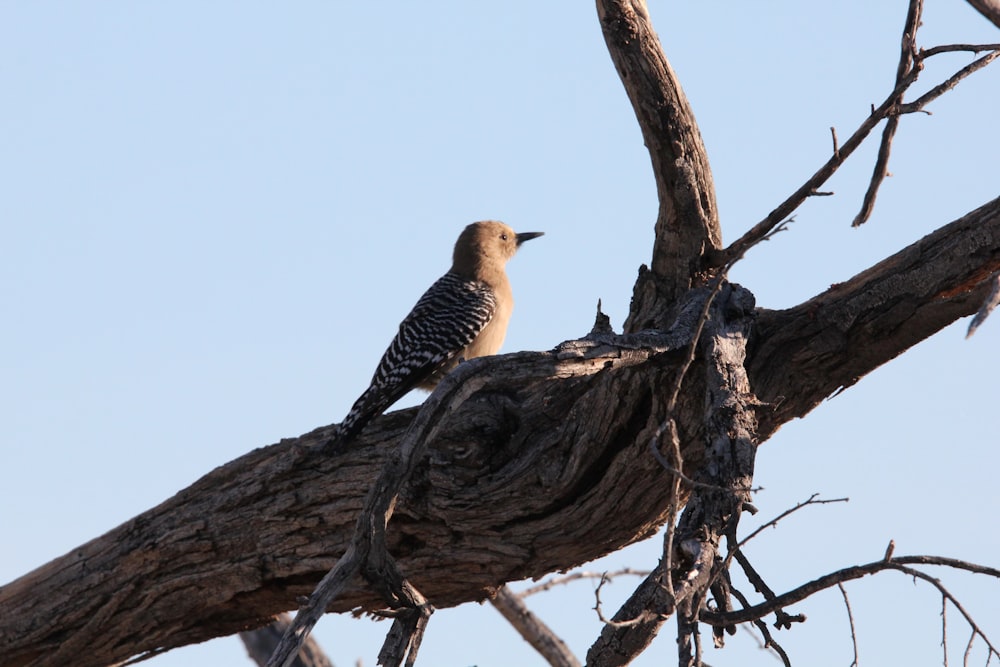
pixel 801 355
pixel 692 562
pixel 687 225
pixel 260 643
pixel 544 468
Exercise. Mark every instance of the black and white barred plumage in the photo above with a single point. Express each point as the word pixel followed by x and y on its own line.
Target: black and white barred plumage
pixel 430 342
pixel 463 315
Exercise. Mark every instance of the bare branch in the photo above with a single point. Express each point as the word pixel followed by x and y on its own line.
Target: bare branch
pixel 688 221
pixel 944 629
pixel 918 289
pixel 947 597
pixel 787 207
pixel 262 642
pixel 949 83
pixel 552 582
pixel 910 65
pixel 952 48
pixel 850 619
pixel 847 574
pixel 811 500
pixel 907 63
pixel 769 642
pixel 532 629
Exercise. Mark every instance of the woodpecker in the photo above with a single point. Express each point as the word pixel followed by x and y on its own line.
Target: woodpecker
pixel 463 315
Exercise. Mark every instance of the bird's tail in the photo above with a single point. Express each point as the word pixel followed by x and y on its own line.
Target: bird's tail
pixel 369 405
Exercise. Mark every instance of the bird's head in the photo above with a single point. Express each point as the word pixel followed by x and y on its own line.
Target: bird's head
pixel 485 243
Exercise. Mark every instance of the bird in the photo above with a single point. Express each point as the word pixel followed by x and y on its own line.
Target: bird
pixel 463 315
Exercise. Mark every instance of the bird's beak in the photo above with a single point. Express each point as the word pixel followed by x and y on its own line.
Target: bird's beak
pixel 527 236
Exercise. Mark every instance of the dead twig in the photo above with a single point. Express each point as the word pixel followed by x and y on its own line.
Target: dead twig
pixel 900 564
pixel 850 619
pixel 948 84
pixel 952 48
pixel 907 63
pixel 576 576
pixel 811 500
pixel 890 107
pixel 765 632
pixel 541 637
pixel 783 620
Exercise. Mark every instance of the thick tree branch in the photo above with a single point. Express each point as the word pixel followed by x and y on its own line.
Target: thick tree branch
pixel 546 467
pixel 804 354
pixel 690 562
pixel 687 225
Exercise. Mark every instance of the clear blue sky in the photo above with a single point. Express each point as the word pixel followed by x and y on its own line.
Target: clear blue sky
pixel 215 214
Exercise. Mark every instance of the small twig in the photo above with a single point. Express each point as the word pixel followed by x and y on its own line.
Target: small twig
pixel 692 483
pixel 783 620
pixel 850 619
pixel 951 48
pixel 773 522
pixel 944 628
pixel 968 650
pixel 576 576
pixel 949 83
pixel 891 106
pixel 836 147
pixel 787 207
pixel 899 564
pixel 675 498
pixel 641 618
pixel 764 631
pixel 907 64
pixel 882 160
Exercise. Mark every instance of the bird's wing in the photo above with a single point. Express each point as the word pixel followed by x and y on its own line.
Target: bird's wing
pixel 446 319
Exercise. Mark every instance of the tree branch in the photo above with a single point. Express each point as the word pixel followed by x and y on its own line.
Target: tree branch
pixel 908 50
pixel 804 354
pixel 687 225
pixel 532 629
pixel 527 476
pixel 840 576
pixel 689 564
pixel 262 642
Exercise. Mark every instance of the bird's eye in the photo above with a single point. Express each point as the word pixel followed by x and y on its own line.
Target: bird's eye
pixel 503 236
